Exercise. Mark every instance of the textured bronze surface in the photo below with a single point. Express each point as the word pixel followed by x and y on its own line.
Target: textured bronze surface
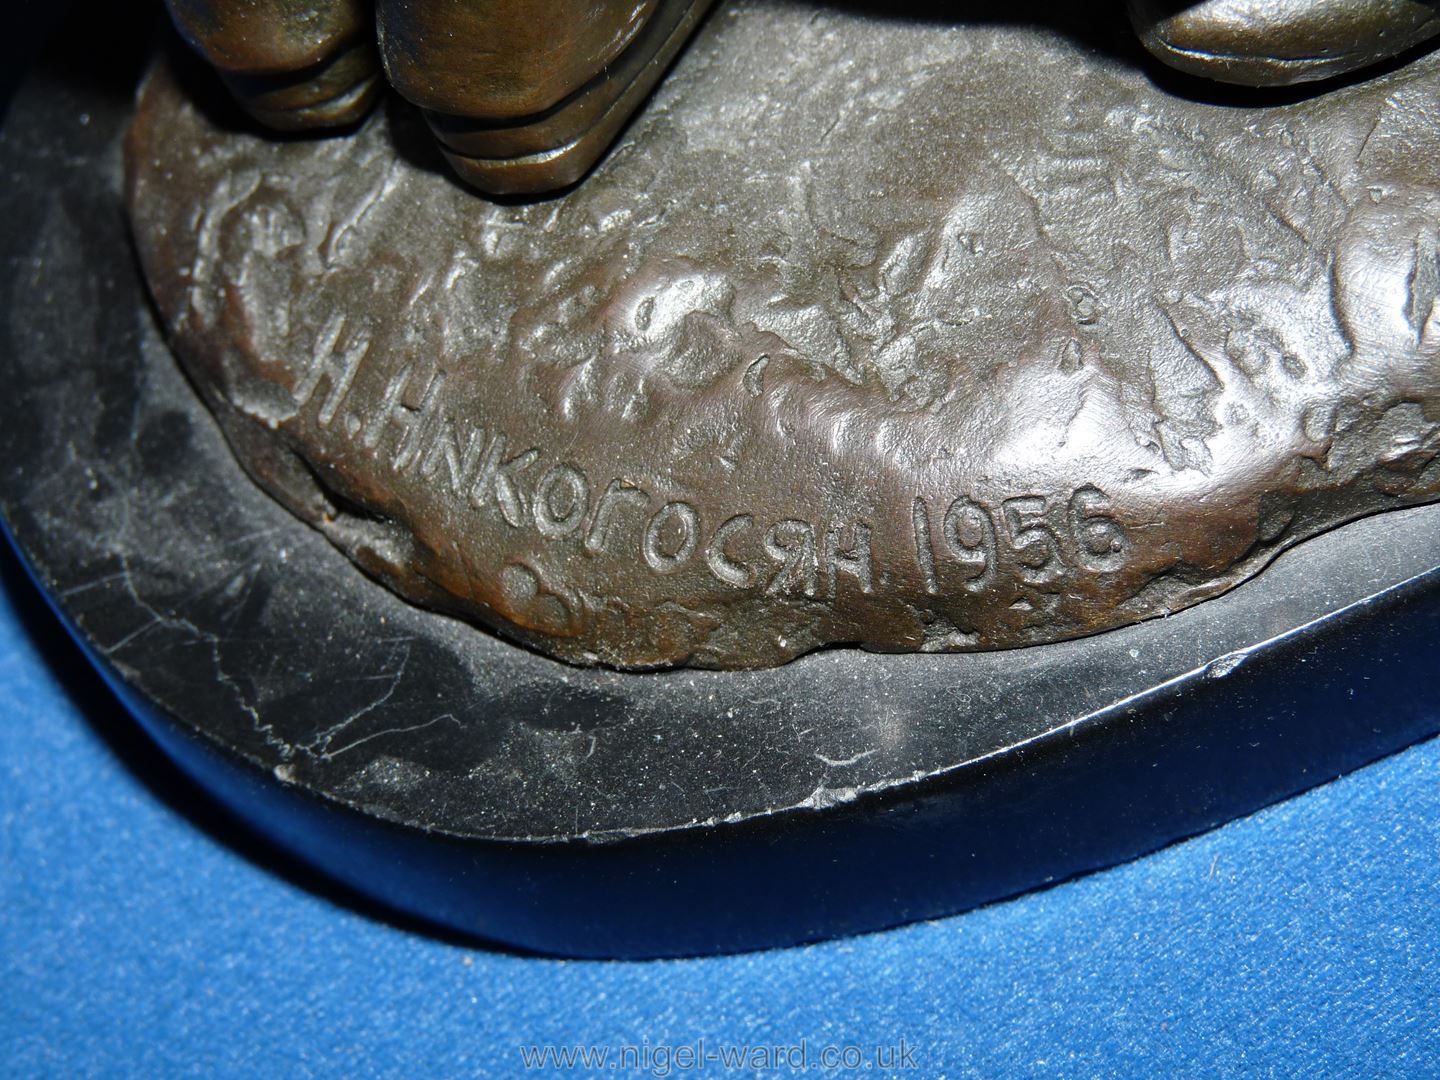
pixel 526 95
pixel 866 333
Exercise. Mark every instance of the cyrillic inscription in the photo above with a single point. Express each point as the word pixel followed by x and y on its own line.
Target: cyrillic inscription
pixel 968 546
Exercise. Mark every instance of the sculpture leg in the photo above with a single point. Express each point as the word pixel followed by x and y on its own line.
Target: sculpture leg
pixel 526 95
pixel 292 64
pixel 1280 42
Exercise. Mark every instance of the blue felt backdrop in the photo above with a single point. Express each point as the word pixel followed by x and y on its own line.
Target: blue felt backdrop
pixel 140 935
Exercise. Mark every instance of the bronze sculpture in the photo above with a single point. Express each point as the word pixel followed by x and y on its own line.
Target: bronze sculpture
pixel 1017 282
pixel 784 375
pixel 525 95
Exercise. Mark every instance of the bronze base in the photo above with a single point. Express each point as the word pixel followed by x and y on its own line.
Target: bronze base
pixel 870 331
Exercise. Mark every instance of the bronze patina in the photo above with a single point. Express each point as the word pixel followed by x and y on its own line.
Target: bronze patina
pixel 526 95
pixel 523 95
pixel 866 333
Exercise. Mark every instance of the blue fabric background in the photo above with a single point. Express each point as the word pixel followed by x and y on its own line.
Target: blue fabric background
pixel 141 935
